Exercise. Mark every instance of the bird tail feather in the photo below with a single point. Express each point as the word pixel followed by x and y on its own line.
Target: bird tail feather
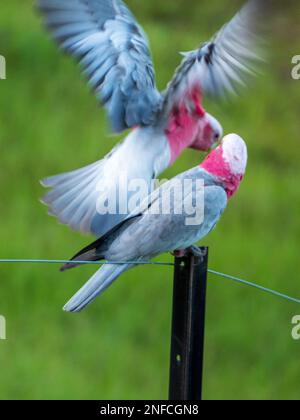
pixel 100 281
pixel 73 196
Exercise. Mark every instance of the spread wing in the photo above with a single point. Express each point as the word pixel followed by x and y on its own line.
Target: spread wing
pixel 219 66
pixel 114 53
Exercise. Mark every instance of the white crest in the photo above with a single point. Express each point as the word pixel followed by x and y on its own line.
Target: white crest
pixel 235 153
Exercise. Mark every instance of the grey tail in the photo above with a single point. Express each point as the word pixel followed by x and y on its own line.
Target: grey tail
pixel 100 281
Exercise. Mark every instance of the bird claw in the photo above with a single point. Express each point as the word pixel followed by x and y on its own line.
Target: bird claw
pixel 180 253
pixel 193 250
pixel 196 251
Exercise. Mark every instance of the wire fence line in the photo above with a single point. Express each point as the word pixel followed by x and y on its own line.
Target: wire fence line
pixel 153 263
pixel 255 286
pixel 86 262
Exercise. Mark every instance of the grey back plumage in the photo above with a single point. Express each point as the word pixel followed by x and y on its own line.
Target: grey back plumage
pixel 114 52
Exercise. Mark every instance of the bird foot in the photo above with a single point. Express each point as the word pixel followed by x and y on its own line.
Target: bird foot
pixel 193 250
pixel 180 253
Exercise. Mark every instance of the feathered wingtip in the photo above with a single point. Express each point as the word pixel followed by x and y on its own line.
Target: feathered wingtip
pixel 81 258
pixel 186 53
pixel 68 266
pixel 91 253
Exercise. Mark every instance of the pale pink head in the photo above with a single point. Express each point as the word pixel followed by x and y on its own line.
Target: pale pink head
pixel 228 163
pixel 209 133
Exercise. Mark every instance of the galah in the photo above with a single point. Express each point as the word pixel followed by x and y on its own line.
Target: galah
pixel 146 234
pixel 114 53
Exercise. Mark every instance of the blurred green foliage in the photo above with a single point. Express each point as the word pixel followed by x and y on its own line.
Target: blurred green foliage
pixel 119 347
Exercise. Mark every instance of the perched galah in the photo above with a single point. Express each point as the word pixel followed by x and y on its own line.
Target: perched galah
pixel 146 233
pixel 113 50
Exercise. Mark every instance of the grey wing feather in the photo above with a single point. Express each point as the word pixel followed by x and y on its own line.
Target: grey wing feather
pixel 145 235
pixel 221 65
pixel 177 234
pixel 114 52
pixel 155 196
pixel 149 235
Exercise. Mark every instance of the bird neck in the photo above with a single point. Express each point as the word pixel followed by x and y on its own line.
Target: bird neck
pixel 181 132
pixel 183 124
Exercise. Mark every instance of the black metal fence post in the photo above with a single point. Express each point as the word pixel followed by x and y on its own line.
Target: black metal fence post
pixel 188 327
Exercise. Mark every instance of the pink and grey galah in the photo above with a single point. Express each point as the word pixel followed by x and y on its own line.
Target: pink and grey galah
pixel 114 53
pixel 145 233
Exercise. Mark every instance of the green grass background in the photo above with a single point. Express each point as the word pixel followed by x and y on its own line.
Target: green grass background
pixel 119 347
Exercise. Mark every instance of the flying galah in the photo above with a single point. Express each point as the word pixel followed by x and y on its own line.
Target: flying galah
pixel 114 53
pixel 146 233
